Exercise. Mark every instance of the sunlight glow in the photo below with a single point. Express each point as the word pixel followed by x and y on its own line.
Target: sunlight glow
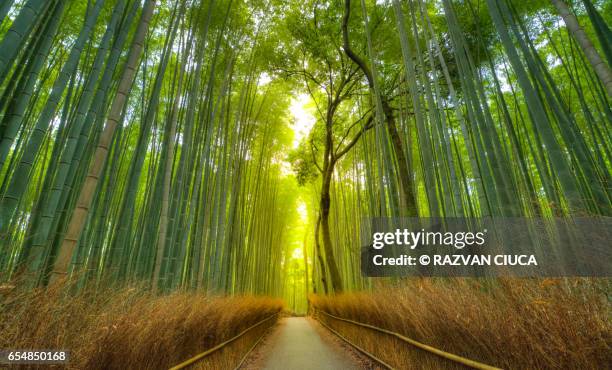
pixel 303 119
pixel 297 254
pixel 264 79
pixel 285 168
pixel 302 211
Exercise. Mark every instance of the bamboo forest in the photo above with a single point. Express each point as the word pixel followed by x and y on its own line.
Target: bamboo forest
pixel 185 178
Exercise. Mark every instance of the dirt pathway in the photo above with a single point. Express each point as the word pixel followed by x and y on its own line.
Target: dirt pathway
pixel 299 343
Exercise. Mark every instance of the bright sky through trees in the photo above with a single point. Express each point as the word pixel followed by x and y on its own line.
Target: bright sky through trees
pixel 303 119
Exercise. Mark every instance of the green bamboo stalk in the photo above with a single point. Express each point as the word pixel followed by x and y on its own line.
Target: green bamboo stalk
pixel 22 174
pixel 601 68
pixel 79 214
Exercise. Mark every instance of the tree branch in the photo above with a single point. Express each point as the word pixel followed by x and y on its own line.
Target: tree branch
pixel 347 46
pixel 314 157
pixel 369 124
pixel 348 130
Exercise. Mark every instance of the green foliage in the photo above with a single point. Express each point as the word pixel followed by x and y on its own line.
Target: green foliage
pixel 301 160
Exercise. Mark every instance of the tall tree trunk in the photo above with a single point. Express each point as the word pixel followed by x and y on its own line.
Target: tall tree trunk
pixel 17 35
pixel 601 68
pixel 81 210
pixel 120 250
pixel 40 233
pixel 166 190
pixel 323 271
pixel 305 250
pixel 4 9
pixel 537 110
pixel 334 273
pixel 23 173
pixel 14 115
pixel 601 29
pixel 407 192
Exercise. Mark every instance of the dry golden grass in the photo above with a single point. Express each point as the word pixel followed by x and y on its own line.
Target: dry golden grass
pixel 509 323
pixel 129 328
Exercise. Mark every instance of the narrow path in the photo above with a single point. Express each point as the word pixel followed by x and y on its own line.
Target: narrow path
pixel 299 343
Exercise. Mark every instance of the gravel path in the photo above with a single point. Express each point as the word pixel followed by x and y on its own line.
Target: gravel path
pixel 299 343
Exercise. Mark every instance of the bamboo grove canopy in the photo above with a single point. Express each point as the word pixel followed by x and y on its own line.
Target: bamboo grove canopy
pixel 152 140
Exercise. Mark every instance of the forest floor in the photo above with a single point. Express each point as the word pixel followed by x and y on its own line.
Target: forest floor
pixel 302 343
